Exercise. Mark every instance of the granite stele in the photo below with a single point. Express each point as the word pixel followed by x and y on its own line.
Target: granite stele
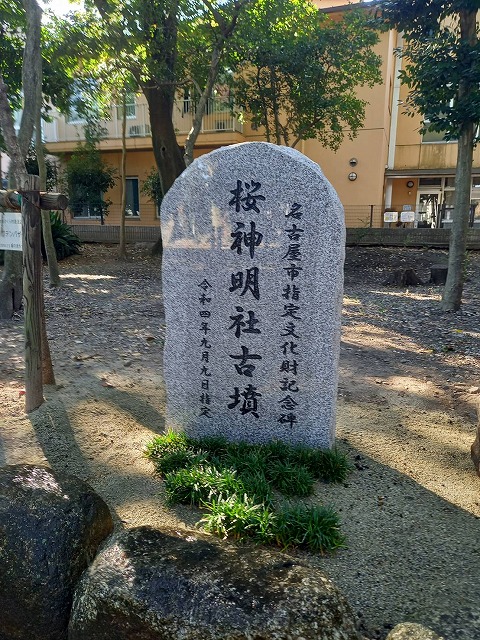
pixel 254 241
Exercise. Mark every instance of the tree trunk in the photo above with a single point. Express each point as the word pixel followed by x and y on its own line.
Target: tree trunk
pixel 11 285
pixel 167 152
pixel 52 262
pixel 438 274
pixel 32 287
pixel 403 278
pixel 275 107
pixel 202 105
pixel 122 248
pixel 452 294
pixel 48 376
pixel 475 449
pixel 168 155
pixel 226 32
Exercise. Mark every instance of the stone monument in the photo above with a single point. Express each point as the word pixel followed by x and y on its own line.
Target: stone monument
pixel 254 241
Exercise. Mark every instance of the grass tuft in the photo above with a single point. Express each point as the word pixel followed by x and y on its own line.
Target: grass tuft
pixel 239 517
pixel 235 484
pixel 315 528
pixel 290 479
pixel 200 484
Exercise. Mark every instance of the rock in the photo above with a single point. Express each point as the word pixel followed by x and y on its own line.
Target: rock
pixel 260 277
pixel 165 585
pixel 438 274
pixel 474 390
pixel 51 525
pixel 412 631
pixel 402 278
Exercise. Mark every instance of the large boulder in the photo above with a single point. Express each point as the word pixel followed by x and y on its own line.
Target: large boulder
pixel 158 585
pixel 412 631
pixel 51 525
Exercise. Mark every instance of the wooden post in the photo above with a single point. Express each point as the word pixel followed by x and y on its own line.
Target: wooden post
pixel 32 290
pixel 48 201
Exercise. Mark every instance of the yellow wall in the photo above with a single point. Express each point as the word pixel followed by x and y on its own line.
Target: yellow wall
pixel 139 165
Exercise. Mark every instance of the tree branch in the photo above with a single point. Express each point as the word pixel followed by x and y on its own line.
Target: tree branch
pixel 31 73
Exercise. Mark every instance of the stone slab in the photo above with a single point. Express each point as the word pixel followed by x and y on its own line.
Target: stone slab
pixel 253 258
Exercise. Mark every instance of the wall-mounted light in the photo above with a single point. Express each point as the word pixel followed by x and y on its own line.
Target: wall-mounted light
pixel 352 176
pixel 410 184
pixel 353 162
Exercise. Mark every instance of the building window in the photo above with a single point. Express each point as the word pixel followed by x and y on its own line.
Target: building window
pixel 130 107
pixel 82 104
pixel 439 136
pixel 436 136
pixel 132 207
pixel 85 209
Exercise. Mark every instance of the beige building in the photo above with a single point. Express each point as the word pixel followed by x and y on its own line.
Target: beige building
pixel 388 167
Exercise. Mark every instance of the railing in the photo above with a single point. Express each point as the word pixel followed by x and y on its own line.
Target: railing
pixel 372 215
pixel 219 116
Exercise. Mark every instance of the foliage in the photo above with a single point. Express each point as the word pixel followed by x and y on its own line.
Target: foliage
pixel 316 528
pixel 438 60
pixel 88 178
pixel 235 483
pixel 162 44
pixel 152 187
pixel 12 21
pixel 442 70
pixel 298 71
pixel 65 241
pixel 31 165
pixel 239 516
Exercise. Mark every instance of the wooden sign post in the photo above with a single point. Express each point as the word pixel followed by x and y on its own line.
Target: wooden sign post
pixel 30 201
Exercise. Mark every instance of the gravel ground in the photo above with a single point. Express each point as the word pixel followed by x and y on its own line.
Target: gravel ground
pixel 409 388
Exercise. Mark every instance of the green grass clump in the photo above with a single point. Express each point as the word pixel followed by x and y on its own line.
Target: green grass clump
pixel 169 443
pixel 324 464
pixel 290 479
pixel 236 483
pixel 313 527
pixel 240 517
pixel 199 484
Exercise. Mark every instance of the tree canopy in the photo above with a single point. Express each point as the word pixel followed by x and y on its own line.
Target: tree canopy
pixel 299 70
pixel 163 44
pixel 440 57
pixel 441 51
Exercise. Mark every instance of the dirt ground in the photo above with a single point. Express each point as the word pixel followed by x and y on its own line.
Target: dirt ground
pixel 408 393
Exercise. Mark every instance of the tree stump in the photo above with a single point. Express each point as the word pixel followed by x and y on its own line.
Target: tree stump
pixel 403 278
pixel 438 274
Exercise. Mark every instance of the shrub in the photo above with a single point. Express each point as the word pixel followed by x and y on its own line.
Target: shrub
pixel 239 517
pixel 313 527
pixel 199 484
pixel 235 483
pixel 290 479
pixel 65 241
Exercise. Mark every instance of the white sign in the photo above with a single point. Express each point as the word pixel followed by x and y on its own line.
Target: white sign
pixel 11 230
pixel 390 216
pixel 407 216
